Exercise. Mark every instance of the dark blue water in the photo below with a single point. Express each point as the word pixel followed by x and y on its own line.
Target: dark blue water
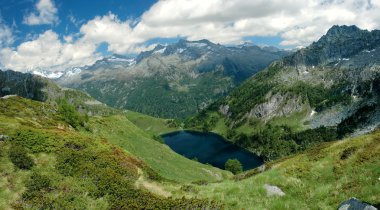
pixel 210 148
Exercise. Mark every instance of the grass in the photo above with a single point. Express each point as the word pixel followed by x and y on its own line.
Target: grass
pixel 120 131
pixel 294 121
pixel 11 181
pixel 151 125
pixel 77 169
pixel 82 165
pixel 316 179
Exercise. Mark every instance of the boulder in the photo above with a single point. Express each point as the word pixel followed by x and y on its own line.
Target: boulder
pixel 273 190
pixel 3 137
pixel 355 204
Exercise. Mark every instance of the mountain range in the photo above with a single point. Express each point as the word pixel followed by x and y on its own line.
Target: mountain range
pixel 332 83
pixel 172 81
pixel 312 115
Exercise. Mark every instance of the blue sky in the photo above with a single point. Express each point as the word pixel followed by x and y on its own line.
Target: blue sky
pixel 73 14
pixel 14 11
pixel 60 34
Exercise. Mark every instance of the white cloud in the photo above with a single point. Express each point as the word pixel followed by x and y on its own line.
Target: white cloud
pixel 48 52
pixel 118 34
pixel 46 13
pixel 297 22
pixel 6 36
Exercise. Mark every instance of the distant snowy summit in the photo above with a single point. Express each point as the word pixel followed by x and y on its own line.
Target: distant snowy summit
pixel 109 62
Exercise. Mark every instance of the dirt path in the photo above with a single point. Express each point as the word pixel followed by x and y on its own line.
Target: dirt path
pixel 153 187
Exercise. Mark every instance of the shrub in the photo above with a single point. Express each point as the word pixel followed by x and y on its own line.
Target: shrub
pixel 2 152
pixel 347 153
pixel 35 141
pixel 234 166
pixel 20 158
pixel 70 115
pixel 200 182
pixel 158 138
pixel 38 182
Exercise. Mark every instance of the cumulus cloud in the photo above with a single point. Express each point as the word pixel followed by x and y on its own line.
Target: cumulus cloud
pixel 118 34
pixel 297 22
pixel 48 52
pixel 46 13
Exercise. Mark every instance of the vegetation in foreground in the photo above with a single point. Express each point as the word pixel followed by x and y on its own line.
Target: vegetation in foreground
pixel 120 131
pixel 234 166
pixel 58 166
pixel 47 164
pixel 320 178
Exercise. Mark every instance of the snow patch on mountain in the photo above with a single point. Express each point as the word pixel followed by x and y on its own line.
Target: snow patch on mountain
pixel 50 75
pixel 180 50
pixel 73 71
pixel 160 51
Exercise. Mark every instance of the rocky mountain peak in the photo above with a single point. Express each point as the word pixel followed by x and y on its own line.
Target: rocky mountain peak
pixel 336 30
pixel 339 43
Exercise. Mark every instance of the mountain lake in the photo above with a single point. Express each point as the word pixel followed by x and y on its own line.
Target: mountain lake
pixel 209 148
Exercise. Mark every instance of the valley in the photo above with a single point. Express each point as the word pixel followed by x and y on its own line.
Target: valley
pixel 198 125
pixel 171 81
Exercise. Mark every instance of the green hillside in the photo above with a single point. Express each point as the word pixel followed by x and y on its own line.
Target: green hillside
pixel 152 125
pixel 319 93
pixel 47 164
pixel 120 131
pixel 319 178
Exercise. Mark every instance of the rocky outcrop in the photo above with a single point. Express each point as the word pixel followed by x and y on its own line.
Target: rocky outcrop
pixel 277 105
pixel 355 204
pixel 224 110
pixel 24 85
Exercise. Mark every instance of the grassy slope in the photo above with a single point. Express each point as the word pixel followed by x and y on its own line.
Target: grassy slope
pixel 152 125
pixel 316 179
pixel 120 131
pixel 22 115
pixel 84 170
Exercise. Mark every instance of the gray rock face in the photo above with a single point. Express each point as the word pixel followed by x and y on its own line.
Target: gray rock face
pixel 224 110
pixel 24 85
pixel 277 105
pixel 355 204
pixel 340 42
pixel 335 76
pixel 273 190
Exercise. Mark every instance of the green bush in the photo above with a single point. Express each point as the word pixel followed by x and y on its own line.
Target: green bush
pixel 70 115
pixel 347 153
pixel 158 138
pixel 1 150
pixel 20 158
pixel 34 140
pixel 234 166
pixel 38 182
